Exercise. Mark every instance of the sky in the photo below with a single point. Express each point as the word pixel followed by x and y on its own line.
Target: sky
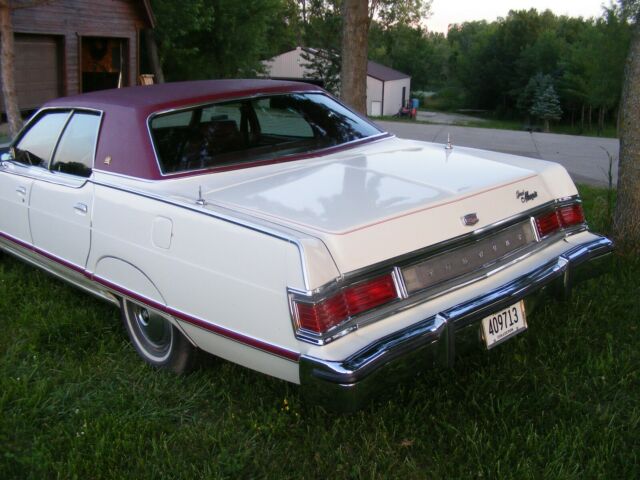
pixel 445 12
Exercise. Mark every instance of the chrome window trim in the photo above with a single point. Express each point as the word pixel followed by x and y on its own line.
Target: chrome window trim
pixel 72 111
pixel 406 300
pixel 378 136
pixel 95 142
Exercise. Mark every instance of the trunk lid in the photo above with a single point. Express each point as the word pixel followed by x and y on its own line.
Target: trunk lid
pixel 386 199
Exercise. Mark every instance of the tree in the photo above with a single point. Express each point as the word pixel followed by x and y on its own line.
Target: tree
pixel 322 33
pixel 626 223
pixel 325 65
pixel 532 92
pixel 546 106
pixel 200 39
pixel 7 60
pixel 353 77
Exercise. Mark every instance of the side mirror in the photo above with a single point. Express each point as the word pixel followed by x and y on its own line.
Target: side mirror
pixel 6 157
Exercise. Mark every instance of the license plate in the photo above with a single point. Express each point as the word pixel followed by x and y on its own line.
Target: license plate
pixel 502 325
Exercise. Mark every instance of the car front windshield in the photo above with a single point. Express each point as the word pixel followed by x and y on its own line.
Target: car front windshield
pixel 253 130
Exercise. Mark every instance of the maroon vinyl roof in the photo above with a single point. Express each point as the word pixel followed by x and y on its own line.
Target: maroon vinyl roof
pixel 124 145
pixel 165 96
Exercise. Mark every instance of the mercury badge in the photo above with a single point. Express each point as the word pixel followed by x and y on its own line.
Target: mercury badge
pixel 525 196
pixel 470 219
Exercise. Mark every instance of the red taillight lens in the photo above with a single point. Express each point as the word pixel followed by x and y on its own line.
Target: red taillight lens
pixel 547 223
pixel 322 316
pixel 370 294
pixel 571 215
pixel 563 217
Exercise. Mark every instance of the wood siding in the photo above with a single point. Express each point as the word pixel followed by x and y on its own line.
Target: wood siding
pixel 73 19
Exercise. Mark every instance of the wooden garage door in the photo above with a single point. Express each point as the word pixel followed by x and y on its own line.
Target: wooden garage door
pixel 37 70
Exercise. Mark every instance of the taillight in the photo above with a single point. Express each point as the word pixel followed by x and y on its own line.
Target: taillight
pixel 571 215
pixel 322 316
pixel 564 217
pixel 547 223
pixel 370 294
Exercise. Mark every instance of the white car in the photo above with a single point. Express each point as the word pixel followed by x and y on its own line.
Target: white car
pixel 266 223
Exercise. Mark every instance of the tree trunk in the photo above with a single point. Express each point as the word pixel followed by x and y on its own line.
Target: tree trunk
pixel 154 59
pixel 626 224
pixel 353 75
pixel 7 65
pixel 573 117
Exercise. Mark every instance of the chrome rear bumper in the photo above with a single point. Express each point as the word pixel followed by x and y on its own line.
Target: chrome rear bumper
pixel 349 384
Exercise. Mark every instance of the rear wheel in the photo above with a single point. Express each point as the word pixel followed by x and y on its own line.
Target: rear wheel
pixel 156 339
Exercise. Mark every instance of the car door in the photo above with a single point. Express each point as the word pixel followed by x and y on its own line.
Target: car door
pixel 31 153
pixel 61 198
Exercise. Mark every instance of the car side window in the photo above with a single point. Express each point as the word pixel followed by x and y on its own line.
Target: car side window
pixel 74 154
pixel 37 144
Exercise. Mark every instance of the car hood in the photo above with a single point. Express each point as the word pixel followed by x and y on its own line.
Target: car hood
pixel 389 198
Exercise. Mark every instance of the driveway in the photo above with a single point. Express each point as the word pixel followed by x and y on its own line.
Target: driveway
pixel 585 158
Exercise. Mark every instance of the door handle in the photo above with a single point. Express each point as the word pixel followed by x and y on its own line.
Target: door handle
pixel 81 208
pixel 21 190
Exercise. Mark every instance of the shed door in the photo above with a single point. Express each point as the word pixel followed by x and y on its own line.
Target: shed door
pixel 376 109
pixel 37 70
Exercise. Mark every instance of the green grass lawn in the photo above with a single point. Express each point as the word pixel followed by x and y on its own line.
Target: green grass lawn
pixel 560 401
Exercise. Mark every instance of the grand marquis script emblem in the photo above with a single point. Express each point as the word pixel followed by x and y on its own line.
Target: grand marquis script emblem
pixel 525 196
pixel 470 219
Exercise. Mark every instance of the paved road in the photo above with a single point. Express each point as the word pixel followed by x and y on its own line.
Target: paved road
pixel 584 157
pixel 447 118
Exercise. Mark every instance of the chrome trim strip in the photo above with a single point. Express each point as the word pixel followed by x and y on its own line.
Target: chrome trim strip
pixel 348 384
pixel 24 250
pixel 407 300
pixel 256 227
pixel 247 340
pixel 75 276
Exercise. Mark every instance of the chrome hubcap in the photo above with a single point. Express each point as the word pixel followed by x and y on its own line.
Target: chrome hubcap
pixel 152 330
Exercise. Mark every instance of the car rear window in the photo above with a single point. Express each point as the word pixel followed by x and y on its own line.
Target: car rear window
pixel 252 130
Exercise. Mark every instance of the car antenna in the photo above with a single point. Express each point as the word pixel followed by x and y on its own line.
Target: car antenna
pixel 200 200
pixel 449 145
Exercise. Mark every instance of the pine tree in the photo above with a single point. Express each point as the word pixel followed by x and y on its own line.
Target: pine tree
pixel 546 106
pixel 325 65
pixel 537 84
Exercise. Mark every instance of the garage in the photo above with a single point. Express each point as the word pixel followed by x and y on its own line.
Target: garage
pixel 38 69
pixel 68 47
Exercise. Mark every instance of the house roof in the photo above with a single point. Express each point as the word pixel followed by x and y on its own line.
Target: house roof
pixel 383 73
pixel 374 69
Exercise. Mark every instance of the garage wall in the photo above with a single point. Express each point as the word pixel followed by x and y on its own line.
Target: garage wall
pixel 374 96
pixel 393 95
pixel 287 65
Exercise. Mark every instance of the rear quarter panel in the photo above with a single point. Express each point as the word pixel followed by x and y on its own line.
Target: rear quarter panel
pixel 223 275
